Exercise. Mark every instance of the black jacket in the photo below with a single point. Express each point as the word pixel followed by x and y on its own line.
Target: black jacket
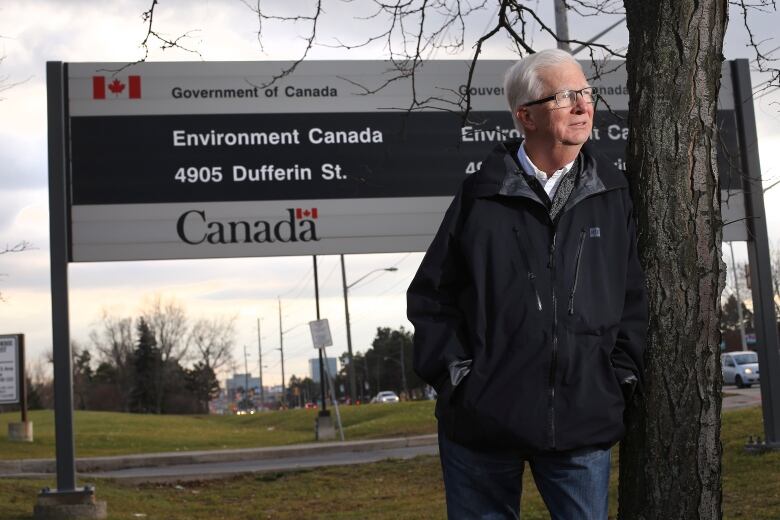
pixel 529 315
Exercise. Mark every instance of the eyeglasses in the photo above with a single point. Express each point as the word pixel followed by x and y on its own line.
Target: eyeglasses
pixel 567 98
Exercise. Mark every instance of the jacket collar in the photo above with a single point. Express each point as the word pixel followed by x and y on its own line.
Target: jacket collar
pixel 501 175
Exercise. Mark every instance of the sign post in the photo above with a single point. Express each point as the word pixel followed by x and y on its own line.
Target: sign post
pixel 66 499
pixel 321 338
pixel 13 384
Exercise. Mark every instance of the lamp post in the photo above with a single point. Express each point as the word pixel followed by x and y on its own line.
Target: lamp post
pixel 351 367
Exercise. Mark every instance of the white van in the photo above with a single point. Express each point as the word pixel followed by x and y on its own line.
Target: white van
pixel 739 368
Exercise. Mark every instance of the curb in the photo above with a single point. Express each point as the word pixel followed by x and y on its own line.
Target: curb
pixel 114 463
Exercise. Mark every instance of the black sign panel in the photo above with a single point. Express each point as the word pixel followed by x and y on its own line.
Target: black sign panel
pixel 206 158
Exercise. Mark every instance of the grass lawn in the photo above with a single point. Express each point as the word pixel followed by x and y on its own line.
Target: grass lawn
pixel 107 433
pixel 386 490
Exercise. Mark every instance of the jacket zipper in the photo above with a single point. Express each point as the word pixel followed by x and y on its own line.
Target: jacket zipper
pixel 576 272
pixel 554 360
pixel 531 275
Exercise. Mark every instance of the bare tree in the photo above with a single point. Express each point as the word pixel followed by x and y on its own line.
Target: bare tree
pixel 115 344
pixel 670 461
pixel 168 322
pixel 213 340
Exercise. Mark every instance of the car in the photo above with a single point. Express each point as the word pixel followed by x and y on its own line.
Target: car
pixel 740 368
pixel 385 396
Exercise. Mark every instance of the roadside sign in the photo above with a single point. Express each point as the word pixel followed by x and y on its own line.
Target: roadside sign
pixel 320 333
pixel 9 369
pixel 235 164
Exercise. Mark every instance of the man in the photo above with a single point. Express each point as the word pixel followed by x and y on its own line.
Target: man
pixel 530 309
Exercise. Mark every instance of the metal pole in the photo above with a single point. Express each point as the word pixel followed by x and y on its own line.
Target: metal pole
pixel 322 371
pixel 561 25
pixel 403 373
pixel 332 385
pixel 281 350
pixel 260 364
pixel 246 375
pixel 351 365
pixel 23 381
pixel 758 253
pixel 739 300
pixel 596 37
pixel 58 229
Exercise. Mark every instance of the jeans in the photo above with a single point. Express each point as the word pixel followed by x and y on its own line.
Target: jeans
pixel 487 485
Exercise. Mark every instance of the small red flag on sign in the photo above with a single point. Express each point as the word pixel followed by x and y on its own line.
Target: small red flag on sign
pixel 305 213
pixel 119 89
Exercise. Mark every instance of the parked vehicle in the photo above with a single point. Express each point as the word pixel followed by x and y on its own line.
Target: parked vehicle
pixel 385 397
pixel 740 368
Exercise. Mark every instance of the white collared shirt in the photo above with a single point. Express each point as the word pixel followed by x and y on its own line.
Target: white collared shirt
pixel 550 184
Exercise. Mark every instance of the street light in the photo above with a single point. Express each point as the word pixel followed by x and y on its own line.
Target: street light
pixel 351 367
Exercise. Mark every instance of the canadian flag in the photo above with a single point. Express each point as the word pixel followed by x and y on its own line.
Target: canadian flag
pixel 116 88
pixel 305 213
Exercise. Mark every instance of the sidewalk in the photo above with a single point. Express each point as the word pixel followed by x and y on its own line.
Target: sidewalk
pixel 300 452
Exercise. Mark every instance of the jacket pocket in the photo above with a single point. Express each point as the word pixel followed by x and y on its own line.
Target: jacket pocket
pixel 583 358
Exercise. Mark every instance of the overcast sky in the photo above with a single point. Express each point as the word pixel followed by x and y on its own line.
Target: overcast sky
pixel 34 31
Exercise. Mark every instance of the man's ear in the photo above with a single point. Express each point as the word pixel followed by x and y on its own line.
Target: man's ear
pixel 526 118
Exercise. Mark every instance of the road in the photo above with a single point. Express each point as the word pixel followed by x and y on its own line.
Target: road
pixel 226 469
pixel 741 397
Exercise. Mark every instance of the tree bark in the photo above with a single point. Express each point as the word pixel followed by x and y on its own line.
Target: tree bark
pixel 670 459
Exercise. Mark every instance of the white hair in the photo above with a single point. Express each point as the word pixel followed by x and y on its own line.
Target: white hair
pixel 522 83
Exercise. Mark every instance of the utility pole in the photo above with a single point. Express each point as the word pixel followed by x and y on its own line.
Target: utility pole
pixel 323 388
pixel 281 349
pixel 351 359
pixel 260 364
pixel 562 25
pixel 246 376
pixel 742 337
pixel 367 379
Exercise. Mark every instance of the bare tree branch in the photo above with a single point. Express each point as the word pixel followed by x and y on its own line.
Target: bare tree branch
pixel 16 248
pixel 763 61
pixel 314 19
pixel 596 8
pixel 411 31
pixel 153 35
pixel 164 41
pixel 5 83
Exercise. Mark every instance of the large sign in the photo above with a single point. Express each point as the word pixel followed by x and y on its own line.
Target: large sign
pixel 10 369
pixel 192 160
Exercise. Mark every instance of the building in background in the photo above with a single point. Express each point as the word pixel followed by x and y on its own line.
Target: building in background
pixel 241 382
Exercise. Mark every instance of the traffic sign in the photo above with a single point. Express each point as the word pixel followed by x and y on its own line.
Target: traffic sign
pixel 320 334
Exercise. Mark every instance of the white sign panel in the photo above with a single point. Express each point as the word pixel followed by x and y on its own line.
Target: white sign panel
pixel 9 370
pixel 215 159
pixel 320 334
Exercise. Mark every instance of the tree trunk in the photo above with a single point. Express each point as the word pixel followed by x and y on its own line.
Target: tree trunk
pixel 670 459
